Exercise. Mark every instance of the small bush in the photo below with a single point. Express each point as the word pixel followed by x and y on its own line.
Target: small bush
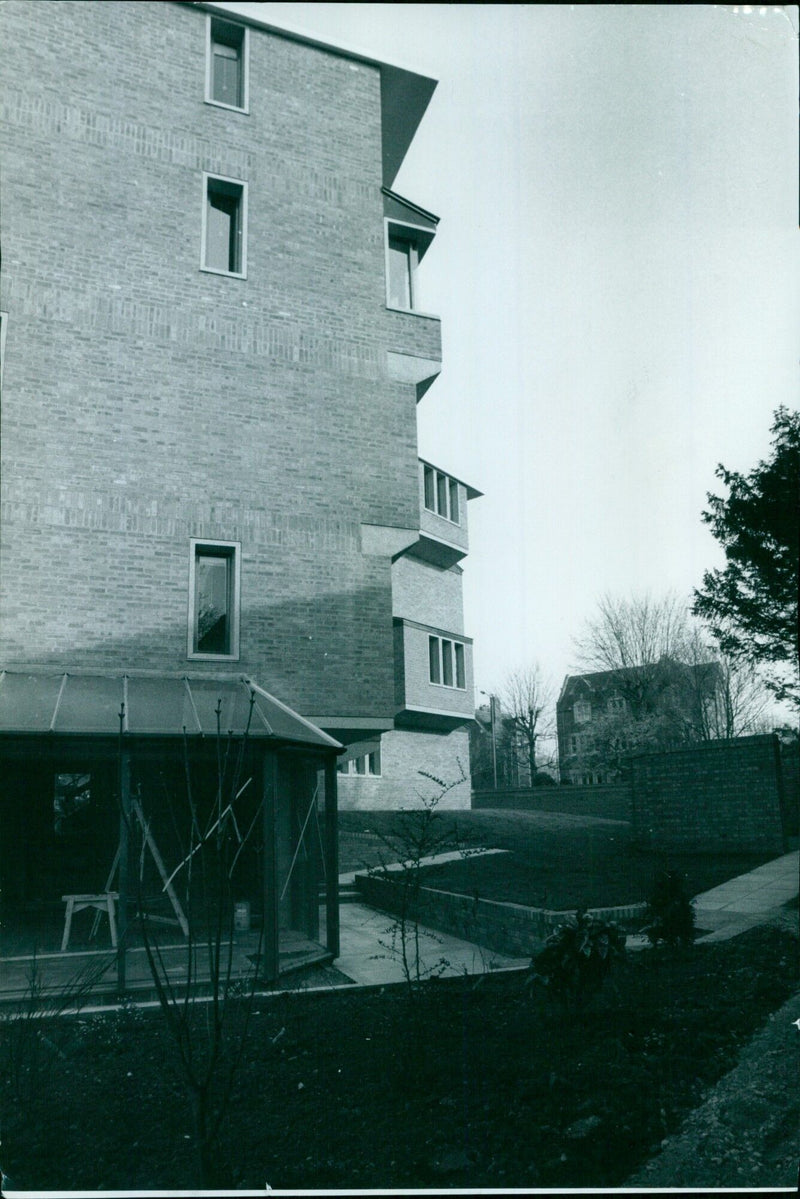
pixel 576 959
pixel 670 915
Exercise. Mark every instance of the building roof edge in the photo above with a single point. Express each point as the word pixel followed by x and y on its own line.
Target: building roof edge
pixel 405 94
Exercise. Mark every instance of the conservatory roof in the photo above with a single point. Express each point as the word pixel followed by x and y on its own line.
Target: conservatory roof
pixel 47 700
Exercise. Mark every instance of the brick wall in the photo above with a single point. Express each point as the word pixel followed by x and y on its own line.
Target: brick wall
pixel 509 928
pixel 790 787
pixel 613 803
pixel 714 796
pixel 403 754
pixel 428 594
pixel 147 402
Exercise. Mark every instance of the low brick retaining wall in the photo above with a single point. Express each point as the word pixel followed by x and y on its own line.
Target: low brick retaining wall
pixel 509 928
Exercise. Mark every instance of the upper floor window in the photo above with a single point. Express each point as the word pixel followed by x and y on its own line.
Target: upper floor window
pixel 582 711
pixel 214 581
pixel 441 494
pixel 405 246
pixel 403 260
pixel 367 765
pixel 615 703
pixel 446 663
pixel 226 64
pixel 224 226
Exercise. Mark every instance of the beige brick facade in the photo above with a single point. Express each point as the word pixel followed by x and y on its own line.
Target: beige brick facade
pixel 147 402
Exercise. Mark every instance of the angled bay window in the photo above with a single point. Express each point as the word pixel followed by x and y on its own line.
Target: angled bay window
pixel 214 579
pixel 441 494
pixel 409 232
pixel 224 226
pixel 446 663
pixel 226 64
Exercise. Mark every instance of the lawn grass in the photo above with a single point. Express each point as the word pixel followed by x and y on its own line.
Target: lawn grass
pixel 555 861
pixel 471 1084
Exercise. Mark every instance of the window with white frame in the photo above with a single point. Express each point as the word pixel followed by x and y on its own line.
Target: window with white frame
pixel 214 590
pixel 446 662
pixel 226 64
pixel 615 703
pixel 224 232
pixel 582 711
pixel 405 246
pixel 366 765
pixel 441 494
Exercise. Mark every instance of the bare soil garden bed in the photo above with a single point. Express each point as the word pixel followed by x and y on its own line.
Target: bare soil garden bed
pixel 470 1084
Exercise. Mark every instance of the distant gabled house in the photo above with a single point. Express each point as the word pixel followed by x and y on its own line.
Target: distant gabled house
pixel 605 715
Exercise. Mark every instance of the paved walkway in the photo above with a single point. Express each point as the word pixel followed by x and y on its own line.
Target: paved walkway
pixel 752 898
pixel 370 949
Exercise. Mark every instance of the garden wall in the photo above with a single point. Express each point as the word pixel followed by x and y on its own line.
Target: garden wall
pixel 713 796
pixel 509 928
pixel 613 803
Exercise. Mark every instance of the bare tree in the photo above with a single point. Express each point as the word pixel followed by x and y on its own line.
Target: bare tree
pixel 738 703
pixel 640 639
pixel 528 700
pixel 208 1020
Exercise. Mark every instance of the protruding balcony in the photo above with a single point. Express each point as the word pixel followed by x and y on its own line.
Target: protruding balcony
pixel 433 677
pixel 444 539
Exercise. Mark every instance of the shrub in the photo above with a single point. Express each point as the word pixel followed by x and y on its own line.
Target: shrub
pixel 670 915
pixel 576 959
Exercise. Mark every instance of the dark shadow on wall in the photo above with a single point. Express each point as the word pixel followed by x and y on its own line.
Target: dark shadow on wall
pixel 330 653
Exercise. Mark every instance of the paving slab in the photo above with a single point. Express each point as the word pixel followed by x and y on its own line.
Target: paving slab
pixel 370 950
pixel 749 899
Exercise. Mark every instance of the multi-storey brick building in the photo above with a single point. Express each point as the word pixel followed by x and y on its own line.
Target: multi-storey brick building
pixel 212 355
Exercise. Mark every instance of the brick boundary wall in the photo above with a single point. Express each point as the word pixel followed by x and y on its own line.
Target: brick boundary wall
pixel 612 803
pixel 713 796
pixel 509 928
pixel 789 758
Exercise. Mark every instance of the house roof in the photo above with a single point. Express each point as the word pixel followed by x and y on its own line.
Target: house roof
pixel 405 95
pixel 602 681
pixel 47 700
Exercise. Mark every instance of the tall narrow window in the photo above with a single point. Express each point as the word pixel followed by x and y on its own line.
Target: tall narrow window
pixel 453 500
pixel 447 663
pixel 401 266
pixel 226 79
pixel 225 226
pixel 430 493
pixel 461 677
pixel 441 494
pixel 433 660
pixel 214 581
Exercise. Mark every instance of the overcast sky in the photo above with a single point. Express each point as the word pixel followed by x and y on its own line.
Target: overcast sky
pixel 616 271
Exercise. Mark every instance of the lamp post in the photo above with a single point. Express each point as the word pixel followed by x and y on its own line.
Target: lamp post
pixel 492 711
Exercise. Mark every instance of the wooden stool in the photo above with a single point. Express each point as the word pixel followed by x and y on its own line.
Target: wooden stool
pixel 103 903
